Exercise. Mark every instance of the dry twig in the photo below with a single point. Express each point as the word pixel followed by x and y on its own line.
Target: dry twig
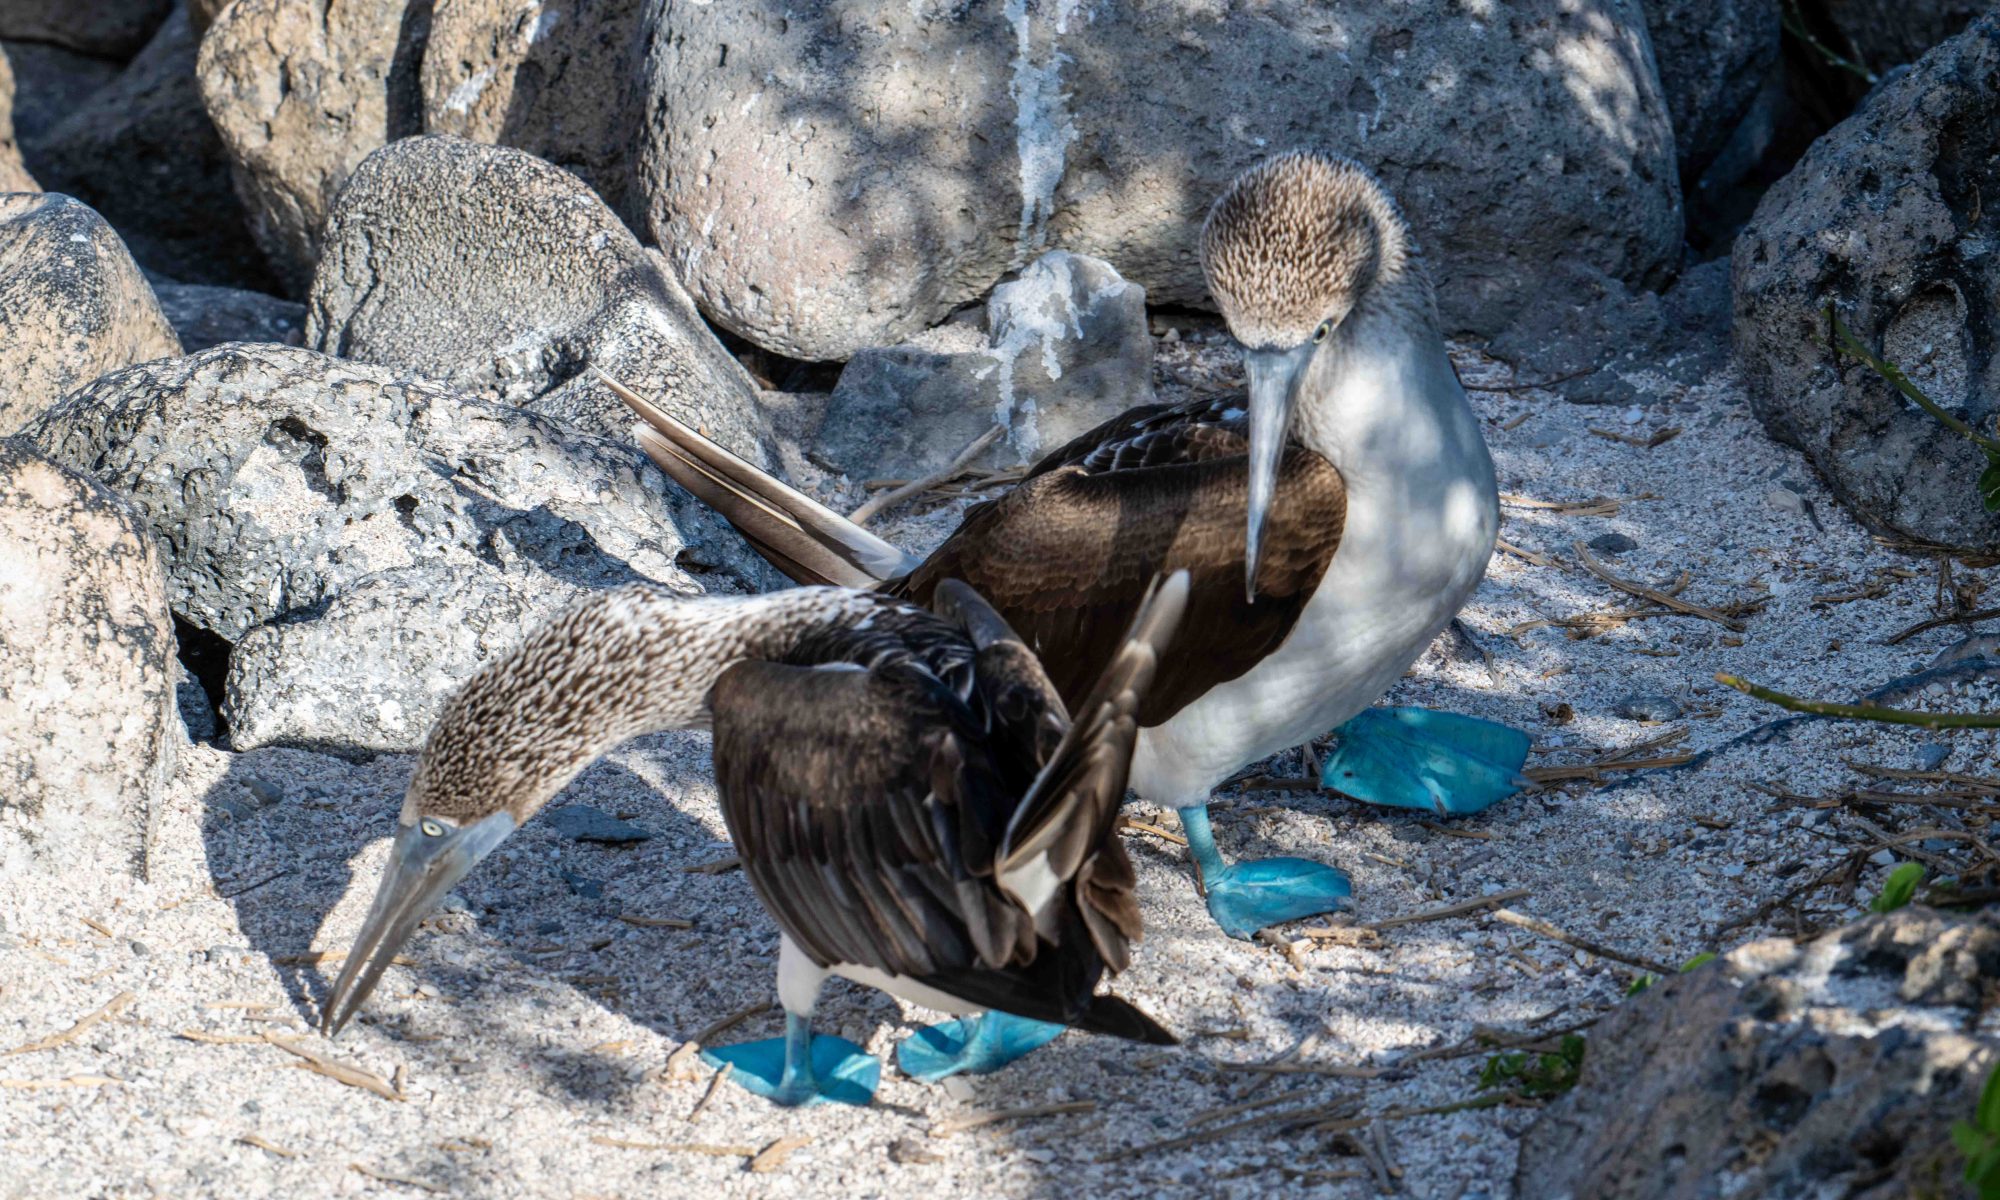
pixel 111 1008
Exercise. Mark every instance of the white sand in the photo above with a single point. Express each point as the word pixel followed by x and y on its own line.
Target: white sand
pixel 534 1021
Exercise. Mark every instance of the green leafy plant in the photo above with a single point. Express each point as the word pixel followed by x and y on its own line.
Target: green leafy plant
pixel 1844 342
pixel 1536 1075
pixel 1979 1140
pixel 1898 889
pixel 1645 981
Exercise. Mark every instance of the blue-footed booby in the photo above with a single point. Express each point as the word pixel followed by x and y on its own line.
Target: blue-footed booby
pixel 912 802
pixel 1332 523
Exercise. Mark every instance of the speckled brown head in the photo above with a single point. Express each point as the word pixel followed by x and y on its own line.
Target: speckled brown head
pixel 1293 244
pixel 1291 249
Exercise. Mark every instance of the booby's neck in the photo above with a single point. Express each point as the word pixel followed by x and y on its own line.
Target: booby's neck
pixel 621 663
pixel 1381 401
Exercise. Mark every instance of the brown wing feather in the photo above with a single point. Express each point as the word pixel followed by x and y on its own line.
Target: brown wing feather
pixel 1066 558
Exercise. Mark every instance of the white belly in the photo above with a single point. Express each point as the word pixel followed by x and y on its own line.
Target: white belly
pixel 1393 586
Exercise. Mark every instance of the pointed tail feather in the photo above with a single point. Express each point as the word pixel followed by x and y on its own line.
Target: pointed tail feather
pixel 1119 1018
pixel 1071 806
pixel 798 535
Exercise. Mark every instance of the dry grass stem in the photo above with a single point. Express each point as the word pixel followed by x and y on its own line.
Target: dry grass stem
pixel 656 922
pixel 1540 560
pixel 718 867
pixel 401 1180
pixel 1663 599
pixel 953 1125
pixel 708 1097
pixel 1147 827
pixel 678 1147
pixel 1542 928
pixel 71 1081
pixel 773 1156
pixel 339 1072
pixel 895 496
pixel 1452 910
pixel 111 1008
pixel 730 1022
pixel 251 1139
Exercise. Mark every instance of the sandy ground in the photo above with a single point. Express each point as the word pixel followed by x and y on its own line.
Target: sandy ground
pixel 527 1047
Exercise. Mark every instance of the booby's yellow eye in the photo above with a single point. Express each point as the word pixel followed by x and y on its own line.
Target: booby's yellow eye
pixel 1319 335
pixel 433 828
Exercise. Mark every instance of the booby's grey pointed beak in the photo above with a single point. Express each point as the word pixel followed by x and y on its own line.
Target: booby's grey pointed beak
pixel 1274 389
pixel 428 859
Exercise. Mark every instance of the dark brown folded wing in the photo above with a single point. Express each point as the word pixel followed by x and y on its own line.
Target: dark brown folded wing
pixel 1066 556
pixel 866 816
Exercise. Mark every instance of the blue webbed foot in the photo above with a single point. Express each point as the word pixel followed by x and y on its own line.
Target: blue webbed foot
pixel 1247 896
pixel 976 1045
pixel 1437 761
pixel 800 1069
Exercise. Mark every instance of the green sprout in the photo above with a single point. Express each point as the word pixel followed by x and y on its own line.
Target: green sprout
pixel 1645 981
pixel 1979 1140
pixel 1844 342
pixel 1536 1075
pixel 1900 887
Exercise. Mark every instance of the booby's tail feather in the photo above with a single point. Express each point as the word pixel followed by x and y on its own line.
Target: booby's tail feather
pixel 798 535
pixel 1071 806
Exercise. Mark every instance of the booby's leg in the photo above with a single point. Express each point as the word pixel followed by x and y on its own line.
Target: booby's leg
pixel 799 1068
pixel 975 1045
pixel 1247 896
pixel 1436 761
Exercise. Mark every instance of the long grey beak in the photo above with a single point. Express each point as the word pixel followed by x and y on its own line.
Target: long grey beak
pixel 422 868
pixel 1274 389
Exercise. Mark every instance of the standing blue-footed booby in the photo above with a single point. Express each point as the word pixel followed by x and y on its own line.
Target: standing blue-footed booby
pixel 911 801
pixel 1331 526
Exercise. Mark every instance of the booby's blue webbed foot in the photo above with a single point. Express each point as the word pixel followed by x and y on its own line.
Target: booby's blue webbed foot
pixel 1440 762
pixel 1247 896
pixel 799 1068
pixel 976 1045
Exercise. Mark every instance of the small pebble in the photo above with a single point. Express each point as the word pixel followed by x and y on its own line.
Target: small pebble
pixel 1784 500
pixel 1882 858
pixel 583 823
pixel 1930 758
pixel 1647 706
pixel 266 792
pixel 1613 543
pixel 141 949
pixel 959 1088
pixel 1634 415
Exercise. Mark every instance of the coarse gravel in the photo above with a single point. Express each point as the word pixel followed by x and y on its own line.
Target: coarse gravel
pixel 530 1040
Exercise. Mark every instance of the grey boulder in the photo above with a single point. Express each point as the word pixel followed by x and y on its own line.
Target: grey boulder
pixel 1713 57
pixel 1834 1068
pixel 110 28
pixel 88 726
pixel 362 537
pixel 1064 349
pixel 559 80
pixel 73 305
pixel 828 184
pixel 1888 218
pixel 205 316
pixel 1886 33
pixel 489 271
pixel 301 93
pixel 14 176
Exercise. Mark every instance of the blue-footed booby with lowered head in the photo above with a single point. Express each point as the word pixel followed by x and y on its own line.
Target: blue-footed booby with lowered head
pixel 1332 524
pixel 910 798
